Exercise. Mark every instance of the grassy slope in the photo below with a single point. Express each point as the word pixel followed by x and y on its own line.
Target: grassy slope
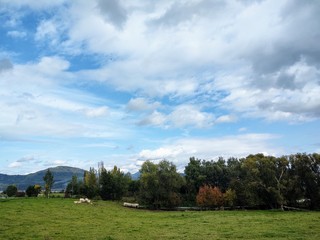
pixel 62 219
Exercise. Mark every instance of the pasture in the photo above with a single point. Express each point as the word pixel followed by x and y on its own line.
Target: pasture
pixel 46 219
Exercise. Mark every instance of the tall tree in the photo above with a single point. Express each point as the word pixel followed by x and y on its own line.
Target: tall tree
pixel 160 185
pixel 199 173
pixel 195 178
pixel 113 184
pixel 49 180
pixel 90 183
pixel 305 179
pixel 149 184
pixel 73 187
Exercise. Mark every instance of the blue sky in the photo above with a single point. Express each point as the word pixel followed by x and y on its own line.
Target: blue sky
pixel 127 81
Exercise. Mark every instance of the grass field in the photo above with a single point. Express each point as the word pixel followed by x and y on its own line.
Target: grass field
pixel 46 219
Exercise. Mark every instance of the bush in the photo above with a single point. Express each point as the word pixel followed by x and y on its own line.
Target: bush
pixel 11 190
pixel 33 191
pixel 209 196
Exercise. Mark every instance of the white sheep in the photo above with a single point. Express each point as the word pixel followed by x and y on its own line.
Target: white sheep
pixel 133 205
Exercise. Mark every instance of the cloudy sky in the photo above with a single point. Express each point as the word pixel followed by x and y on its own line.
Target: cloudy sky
pixel 126 81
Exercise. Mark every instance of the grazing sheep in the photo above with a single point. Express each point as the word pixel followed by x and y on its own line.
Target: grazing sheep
pixel 132 205
pixel 83 200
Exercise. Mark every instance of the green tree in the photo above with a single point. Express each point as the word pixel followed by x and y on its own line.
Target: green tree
pixel 90 183
pixel 262 181
pixel 33 190
pixel 160 185
pixel 237 174
pixel 120 183
pixel 216 173
pixel 304 185
pixel 11 190
pixel 195 178
pixel 199 173
pixel 149 184
pixel 133 188
pixel 113 184
pixel 229 197
pixel 106 184
pixel 73 187
pixel 170 182
pixel 49 180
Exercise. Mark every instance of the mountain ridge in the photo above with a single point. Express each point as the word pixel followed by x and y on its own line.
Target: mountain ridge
pixel 62 176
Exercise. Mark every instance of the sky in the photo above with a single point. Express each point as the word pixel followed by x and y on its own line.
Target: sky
pixel 124 81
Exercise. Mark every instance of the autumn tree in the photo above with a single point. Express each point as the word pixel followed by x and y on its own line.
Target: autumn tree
pixel 199 173
pixel 209 196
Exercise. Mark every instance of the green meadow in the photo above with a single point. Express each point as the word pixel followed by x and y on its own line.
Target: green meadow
pixel 58 218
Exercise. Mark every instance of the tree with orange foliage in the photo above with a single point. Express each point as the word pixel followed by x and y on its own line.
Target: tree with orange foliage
pixel 209 196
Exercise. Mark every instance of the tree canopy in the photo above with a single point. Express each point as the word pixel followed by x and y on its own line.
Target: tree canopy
pixel 256 181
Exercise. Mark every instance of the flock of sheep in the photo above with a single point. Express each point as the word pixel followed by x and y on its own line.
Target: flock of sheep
pixel 125 204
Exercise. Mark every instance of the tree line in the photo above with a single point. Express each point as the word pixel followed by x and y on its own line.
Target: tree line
pixel 32 190
pixel 257 181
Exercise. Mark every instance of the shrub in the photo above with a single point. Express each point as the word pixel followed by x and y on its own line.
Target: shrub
pixel 33 191
pixel 11 190
pixel 209 196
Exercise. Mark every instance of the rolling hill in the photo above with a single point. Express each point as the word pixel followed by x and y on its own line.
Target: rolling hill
pixel 62 175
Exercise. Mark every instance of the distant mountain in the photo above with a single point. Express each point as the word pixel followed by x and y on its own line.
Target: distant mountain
pixel 62 176
pixel 135 176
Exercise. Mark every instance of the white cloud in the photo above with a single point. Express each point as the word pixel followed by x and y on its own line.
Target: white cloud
pixel 242 129
pixel 47 30
pixel 52 65
pixel 294 101
pixel 59 162
pixel 97 112
pixel 35 102
pixel 160 153
pixel 155 119
pixel 181 116
pixel 188 115
pixel 17 34
pixel 142 104
pixel 226 119
pixel 15 165
pixel 179 151
pixel 239 53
